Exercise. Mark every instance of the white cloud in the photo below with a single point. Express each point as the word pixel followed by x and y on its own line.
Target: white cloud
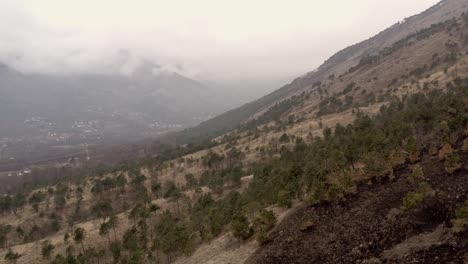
pixel 211 39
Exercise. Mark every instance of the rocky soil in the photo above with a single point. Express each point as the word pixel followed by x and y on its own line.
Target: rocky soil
pixel 369 227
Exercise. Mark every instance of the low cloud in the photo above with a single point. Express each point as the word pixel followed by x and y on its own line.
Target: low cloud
pixel 217 40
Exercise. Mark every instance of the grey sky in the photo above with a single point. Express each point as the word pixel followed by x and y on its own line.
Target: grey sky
pixel 207 39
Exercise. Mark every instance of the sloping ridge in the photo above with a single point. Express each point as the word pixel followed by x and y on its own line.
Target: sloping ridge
pixel 336 65
pixel 368 227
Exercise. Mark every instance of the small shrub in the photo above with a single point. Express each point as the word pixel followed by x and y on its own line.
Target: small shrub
pixel 452 164
pixel 460 223
pixel 46 249
pixel 263 223
pixel 12 256
pixel 284 138
pixel 240 227
pixel 413 198
pixel 433 150
pixel 414 156
pixel 261 236
pixel 306 224
pixel 349 88
pixel 465 146
pixel 445 151
pixel 334 192
pixel 417 173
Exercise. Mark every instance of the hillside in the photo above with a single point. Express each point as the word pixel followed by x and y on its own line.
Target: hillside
pixel 361 161
pixel 93 96
pixel 372 224
pixel 336 65
pixel 57 115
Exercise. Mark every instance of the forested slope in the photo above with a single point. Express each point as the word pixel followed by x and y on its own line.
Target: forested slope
pixel 367 166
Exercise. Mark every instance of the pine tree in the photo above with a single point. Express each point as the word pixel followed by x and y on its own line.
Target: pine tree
pixel 113 223
pixel 47 249
pixel 79 236
pixel 104 230
pixel 12 256
pixel 240 227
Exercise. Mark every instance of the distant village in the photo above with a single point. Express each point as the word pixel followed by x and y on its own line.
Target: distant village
pixel 49 137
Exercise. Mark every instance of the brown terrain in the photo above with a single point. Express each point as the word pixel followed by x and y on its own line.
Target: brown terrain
pixel 366 225
pixel 369 227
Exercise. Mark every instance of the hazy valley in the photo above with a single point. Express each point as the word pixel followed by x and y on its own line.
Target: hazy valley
pixel 362 160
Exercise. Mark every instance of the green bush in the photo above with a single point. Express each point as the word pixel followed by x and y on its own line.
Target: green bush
pixel 263 223
pixel 452 163
pixel 413 198
pixel 417 173
pixel 12 256
pixel 241 228
pixel 460 223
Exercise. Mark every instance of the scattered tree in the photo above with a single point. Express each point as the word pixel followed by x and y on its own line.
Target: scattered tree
pixel 46 249
pixel 79 236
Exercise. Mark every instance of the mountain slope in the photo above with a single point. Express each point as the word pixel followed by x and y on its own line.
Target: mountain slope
pixel 369 226
pixel 335 66
pixel 139 99
pixel 367 166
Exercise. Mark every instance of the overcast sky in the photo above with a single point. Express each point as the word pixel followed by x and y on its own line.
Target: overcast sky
pixel 214 40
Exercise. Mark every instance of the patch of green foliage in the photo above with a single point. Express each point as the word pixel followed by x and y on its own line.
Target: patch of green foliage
pixel 460 223
pixel 263 223
pixel 413 198
pixel 12 256
pixel 372 142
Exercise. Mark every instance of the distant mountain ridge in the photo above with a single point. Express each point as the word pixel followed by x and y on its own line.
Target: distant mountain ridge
pixel 163 97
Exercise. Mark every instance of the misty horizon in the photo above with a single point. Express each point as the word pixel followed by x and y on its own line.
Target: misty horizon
pixel 255 44
pixel 98 73
pixel 240 132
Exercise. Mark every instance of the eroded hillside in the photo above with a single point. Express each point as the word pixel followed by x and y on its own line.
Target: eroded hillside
pixel 362 161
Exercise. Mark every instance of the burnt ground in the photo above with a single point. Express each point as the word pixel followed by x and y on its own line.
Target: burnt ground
pixel 368 227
